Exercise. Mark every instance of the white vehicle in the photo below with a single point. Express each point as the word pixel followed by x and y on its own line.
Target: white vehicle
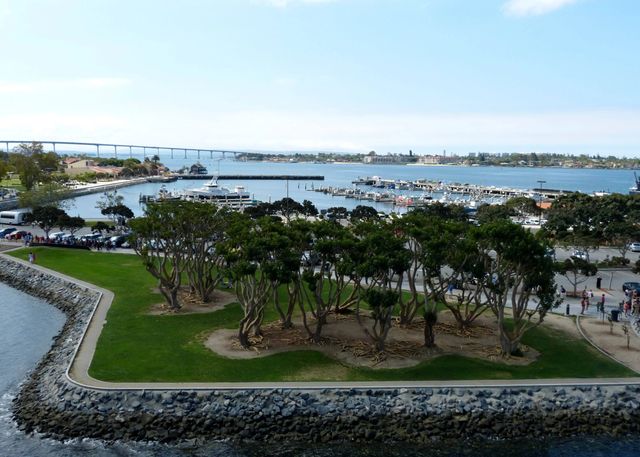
pixel 635 247
pixel 14 217
pixel 56 235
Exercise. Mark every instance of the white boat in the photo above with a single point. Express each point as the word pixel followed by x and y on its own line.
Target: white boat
pixel 211 192
pixel 635 190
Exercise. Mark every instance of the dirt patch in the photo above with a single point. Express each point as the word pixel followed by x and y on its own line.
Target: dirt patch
pixel 614 343
pixel 191 304
pixel 345 341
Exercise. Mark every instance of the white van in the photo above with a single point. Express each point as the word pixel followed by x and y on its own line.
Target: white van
pixel 14 217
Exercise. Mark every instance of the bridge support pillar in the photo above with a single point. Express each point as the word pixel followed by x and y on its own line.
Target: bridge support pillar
pixel 115 150
pixel 97 150
pixel 130 153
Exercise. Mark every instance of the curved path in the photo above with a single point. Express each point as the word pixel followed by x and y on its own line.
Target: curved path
pixel 78 372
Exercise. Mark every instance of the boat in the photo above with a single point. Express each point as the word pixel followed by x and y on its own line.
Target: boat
pixel 212 192
pixel 635 190
pixel 162 179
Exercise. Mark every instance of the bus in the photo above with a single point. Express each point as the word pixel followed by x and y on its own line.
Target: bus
pixel 14 217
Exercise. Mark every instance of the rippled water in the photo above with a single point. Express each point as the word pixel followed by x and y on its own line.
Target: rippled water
pixel 342 175
pixel 27 326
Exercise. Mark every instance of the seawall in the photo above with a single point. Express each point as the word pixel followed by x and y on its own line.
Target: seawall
pixel 52 404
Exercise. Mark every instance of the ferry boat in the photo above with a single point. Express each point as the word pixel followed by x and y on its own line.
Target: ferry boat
pixel 212 192
pixel 635 190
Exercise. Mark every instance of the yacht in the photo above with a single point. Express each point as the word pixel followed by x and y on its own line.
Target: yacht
pixel 212 192
pixel 635 190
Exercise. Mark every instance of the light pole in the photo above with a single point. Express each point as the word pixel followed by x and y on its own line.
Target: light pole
pixel 540 183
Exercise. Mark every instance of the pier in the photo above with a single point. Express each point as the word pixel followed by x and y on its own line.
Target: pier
pixel 255 177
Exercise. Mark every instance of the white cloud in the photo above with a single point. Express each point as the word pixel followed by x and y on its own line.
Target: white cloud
pixel 70 84
pixel 533 7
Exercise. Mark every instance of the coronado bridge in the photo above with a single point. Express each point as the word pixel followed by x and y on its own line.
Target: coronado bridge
pixel 109 149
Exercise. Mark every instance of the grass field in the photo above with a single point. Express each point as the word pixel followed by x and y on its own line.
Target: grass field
pixel 136 346
pixel 13 183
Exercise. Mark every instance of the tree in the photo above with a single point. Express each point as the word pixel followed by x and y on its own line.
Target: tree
pixel 490 213
pixel 337 212
pixel 204 265
pixel 47 194
pixel 28 170
pixel 29 150
pixel 325 285
pixel 309 209
pixel 72 224
pixel 111 203
pixel 522 206
pixel 119 214
pixel 519 280
pixel 251 249
pixel 382 303
pixel 159 239
pixel 621 234
pixel 287 207
pixel 46 217
pixel 576 220
pixel 576 271
pixel 364 212
pixel 102 226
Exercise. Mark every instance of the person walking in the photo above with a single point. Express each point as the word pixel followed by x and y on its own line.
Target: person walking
pixel 32 258
pixel 602 299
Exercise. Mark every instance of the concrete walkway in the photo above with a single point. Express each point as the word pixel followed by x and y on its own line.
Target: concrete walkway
pixel 78 372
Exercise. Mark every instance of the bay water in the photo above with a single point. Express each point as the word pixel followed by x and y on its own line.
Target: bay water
pixel 343 174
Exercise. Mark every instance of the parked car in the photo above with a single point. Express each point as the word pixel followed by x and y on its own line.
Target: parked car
pixel 90 237
pixel 635 247
pixel 118 240
pixel 67 237
pixel 17 235
pixel 5 231
pixel 579 255
pixel 56 235
pixel 631 286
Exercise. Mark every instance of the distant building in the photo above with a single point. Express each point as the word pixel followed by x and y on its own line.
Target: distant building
pixel 436 159
pixel 372 157
pixel 74 166
pixel 198 169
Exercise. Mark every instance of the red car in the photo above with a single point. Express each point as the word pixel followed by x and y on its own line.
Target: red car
pixel 16 235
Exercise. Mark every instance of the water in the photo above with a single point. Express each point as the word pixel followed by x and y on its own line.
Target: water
pixel 28 325
pixel 341 175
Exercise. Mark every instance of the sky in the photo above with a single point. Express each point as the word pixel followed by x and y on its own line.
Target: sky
pixel 325 75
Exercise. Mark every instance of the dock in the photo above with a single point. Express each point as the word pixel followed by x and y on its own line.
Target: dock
pixel 255 177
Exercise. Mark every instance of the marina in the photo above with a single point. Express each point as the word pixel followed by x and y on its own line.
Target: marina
pixel 426 191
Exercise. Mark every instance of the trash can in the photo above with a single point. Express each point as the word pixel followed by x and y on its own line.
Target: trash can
pixel 599 282
pixel 614 315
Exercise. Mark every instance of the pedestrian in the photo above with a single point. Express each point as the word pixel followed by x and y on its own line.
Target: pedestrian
pixel 583 303
pixel 32 257
pixel 563 292
pixel 602 304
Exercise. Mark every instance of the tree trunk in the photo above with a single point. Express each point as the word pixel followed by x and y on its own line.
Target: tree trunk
pixel 507 345
pixel 243 337
pixel 174 303
pixel 429 335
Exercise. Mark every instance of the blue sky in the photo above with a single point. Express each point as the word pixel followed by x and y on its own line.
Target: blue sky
pixel 342 75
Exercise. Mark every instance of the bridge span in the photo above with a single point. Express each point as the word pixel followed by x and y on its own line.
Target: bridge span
pixel 107 147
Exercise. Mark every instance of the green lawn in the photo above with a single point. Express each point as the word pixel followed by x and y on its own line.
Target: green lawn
pixel 13 183
pixel 135 346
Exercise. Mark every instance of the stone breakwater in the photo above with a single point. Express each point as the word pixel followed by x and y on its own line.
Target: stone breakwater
pixel 51 404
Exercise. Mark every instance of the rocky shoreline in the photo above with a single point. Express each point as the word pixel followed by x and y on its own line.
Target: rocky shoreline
pixel 51 404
